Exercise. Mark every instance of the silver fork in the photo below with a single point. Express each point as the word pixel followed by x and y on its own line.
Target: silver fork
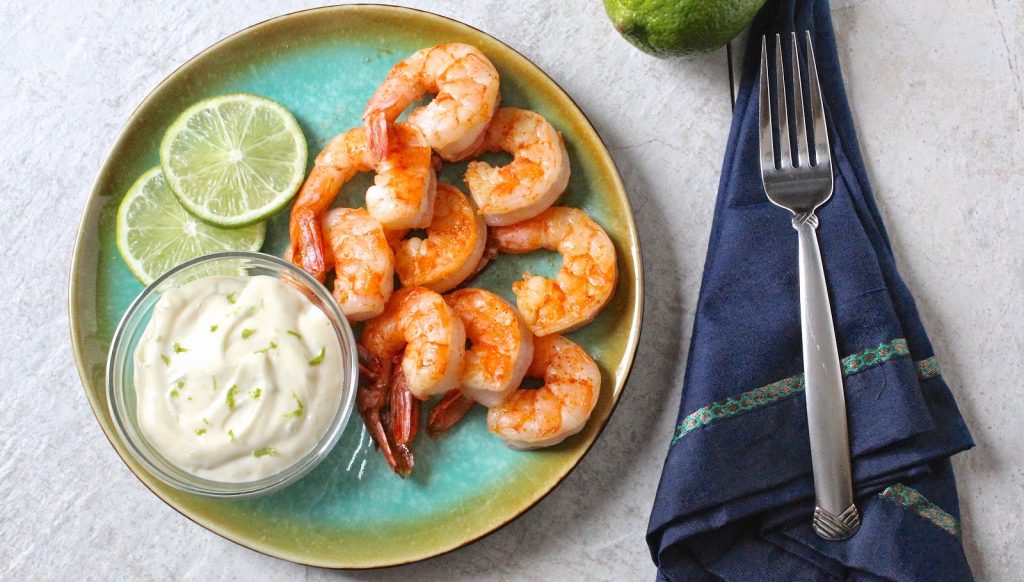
pixel 800 185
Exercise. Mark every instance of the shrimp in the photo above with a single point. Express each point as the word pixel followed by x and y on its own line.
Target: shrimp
pixel 363 264
pixel 433 337
pixel 401 197
pixel 536 177
pixel 531 418
pixel 466 87
pixel 584 283
pixel 452 250
pixel 501 346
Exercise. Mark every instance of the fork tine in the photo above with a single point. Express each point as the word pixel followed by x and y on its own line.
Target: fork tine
pixel 765 115
pixel 802 158
pixel 782 112
pixel 821 149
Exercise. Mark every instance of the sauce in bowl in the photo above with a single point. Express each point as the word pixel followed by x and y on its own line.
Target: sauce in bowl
pixel 236 378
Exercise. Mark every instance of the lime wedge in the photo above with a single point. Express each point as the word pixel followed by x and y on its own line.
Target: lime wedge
pixel 155 234
pixel 234 160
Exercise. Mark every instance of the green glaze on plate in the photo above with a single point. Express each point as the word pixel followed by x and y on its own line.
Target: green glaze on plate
pixel 351 511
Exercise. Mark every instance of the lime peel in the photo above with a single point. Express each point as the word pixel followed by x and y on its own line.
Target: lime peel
pixel 676 27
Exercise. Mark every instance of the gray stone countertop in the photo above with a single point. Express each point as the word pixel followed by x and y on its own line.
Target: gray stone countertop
pixel 938 94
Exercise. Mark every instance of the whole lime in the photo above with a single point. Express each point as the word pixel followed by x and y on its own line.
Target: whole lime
pixel 675 27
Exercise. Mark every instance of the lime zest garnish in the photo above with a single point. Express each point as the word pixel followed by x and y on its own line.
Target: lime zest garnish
pixel 272 346
pixel 175 393
pixel 231 396
pixel 264 452
pixel 167 361
pixel 178 348
pixel 231 435
pixel 247 333
pixel 319 357
pixel 255 394
pixel 214 327
pixel 231 298
pixel 298 411
pixel 294 333
pixel 200 431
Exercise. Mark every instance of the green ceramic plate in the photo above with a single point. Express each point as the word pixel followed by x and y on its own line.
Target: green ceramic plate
pixel 352 512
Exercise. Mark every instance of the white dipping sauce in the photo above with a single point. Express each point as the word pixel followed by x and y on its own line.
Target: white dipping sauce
pixel 236 378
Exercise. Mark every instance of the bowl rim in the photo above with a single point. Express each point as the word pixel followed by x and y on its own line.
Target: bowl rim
pixel 92 207
pixel 209 487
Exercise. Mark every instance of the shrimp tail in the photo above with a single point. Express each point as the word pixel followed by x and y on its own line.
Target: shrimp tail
pixel 377 133
pixel 308 244
pixel 404 415
pixel 449 411
pixel 366 367
pixel 374 423
pixel 403 461
pixel 371 399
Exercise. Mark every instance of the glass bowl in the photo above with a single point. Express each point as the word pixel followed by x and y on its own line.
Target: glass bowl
pixel 121 365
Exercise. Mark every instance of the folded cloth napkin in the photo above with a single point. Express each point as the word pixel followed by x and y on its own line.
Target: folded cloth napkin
pixel 736 494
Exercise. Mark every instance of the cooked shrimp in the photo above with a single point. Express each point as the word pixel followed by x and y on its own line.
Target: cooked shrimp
pixel 500 351
pixel 583 285
pixel 346 155
pixel 454 245
pixel 433 337
pixel 501 346
pixel 363 264
pixel 536 177
pixel 466 87
pixel 540 417
pixel 402 194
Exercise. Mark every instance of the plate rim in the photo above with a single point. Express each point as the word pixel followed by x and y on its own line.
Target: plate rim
pixel 93 199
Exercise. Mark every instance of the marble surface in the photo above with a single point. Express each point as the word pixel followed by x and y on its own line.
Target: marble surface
pixel 938 93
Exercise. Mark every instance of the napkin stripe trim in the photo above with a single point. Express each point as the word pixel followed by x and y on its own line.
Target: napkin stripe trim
pixel 789 387
pixel 912 499
pixel 928 368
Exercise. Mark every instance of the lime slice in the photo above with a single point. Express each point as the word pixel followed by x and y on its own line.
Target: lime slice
pixel 155 234
pixel 234 160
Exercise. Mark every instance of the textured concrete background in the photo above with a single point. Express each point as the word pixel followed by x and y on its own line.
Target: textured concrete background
pixel 938 92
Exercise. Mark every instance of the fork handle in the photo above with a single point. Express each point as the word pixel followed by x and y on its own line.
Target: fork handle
pixel 835 515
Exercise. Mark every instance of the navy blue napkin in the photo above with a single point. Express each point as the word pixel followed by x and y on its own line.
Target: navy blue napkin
pixel 736 494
